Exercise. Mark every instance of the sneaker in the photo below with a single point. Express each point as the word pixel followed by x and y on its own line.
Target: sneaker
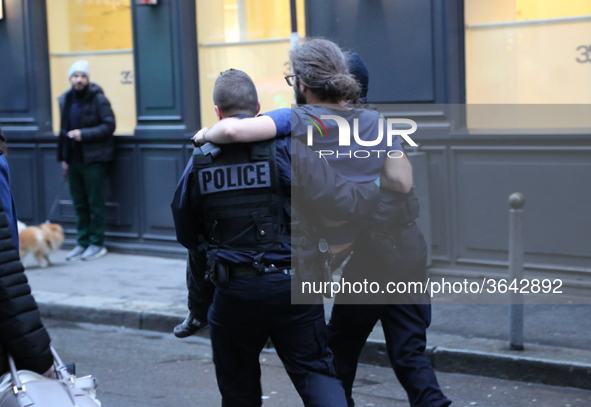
pixel 76 253
pixel 190 326
pixel 94 252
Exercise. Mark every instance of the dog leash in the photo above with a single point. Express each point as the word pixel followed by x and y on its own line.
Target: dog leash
pixel 56 201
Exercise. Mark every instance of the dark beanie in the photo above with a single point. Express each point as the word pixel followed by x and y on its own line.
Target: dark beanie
pixel 358 69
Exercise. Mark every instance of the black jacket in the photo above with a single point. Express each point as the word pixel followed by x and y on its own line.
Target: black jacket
pixel 97 126
pixel 21 330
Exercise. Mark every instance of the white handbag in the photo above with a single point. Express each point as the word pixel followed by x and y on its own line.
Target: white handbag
pixel 29 389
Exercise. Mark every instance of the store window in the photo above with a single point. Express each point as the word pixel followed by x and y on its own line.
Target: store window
pixel 250 35
pixel 528 51
pixel 100 32
pixel 523 54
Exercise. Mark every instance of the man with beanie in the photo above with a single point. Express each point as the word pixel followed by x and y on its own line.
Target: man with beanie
pixel 85 147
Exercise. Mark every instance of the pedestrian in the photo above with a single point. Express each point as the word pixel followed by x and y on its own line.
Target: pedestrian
pixel 320 68
pixel 22 333
pixel 85 147
pixel 235 205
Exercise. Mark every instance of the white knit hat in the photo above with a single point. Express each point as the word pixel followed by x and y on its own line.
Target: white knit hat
pixel 79 66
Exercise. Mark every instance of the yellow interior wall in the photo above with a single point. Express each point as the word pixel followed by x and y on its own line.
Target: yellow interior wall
pixel 58 26
pixel 489 11
pixel 542 9
pixel 210 21
pixel 527 63
pixel 268 19
pixel 301 13
pixel 95 26
pixel 231 25
pixel 263 62
pixel 272 19
pixel 499 11
pixel 267 64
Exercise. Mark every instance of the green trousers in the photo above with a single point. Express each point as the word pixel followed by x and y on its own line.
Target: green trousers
pixel 86 188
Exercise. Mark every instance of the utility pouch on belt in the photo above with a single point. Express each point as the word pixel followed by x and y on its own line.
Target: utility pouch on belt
pixel 221 275
pixel 217 272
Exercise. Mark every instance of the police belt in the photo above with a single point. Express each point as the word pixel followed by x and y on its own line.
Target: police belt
pixel 246 271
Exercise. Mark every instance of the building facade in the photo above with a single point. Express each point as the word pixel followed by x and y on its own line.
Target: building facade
pixel 500 90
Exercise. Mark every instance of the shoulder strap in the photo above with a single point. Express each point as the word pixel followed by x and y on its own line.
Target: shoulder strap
pixel 203 156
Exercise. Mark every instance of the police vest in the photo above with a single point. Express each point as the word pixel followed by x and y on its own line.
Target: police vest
pixel 240 199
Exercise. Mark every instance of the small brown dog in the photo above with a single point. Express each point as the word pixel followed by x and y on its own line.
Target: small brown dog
pixel 41 240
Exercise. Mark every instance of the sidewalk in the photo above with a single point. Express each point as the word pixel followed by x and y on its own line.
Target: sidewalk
pixel 144 292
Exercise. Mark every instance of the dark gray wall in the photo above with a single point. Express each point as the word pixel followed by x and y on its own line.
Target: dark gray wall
pixel 470 181
pixel 412 48
pixel 140 186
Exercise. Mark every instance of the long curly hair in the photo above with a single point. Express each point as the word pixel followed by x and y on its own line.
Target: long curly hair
pixel 322 67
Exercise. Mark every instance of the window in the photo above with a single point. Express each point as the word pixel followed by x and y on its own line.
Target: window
pixel 100 32
pixel 528 51
pixel 249 35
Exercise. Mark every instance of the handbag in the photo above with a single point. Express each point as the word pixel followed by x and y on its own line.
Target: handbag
pixel 29 389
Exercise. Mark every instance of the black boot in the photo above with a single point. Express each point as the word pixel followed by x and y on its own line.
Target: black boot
pixel 190 326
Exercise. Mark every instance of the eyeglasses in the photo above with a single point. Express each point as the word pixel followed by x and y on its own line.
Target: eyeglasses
pixel 288 79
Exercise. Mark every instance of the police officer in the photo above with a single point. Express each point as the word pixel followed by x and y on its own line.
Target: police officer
pixel 234 205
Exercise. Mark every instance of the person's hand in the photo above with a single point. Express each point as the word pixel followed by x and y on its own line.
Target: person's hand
pixel 50 372
pixel 199 138
pixel 64 166
pixel 75 134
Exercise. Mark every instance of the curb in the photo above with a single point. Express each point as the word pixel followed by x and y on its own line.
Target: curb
pixel 555 373
pixel 478 363
pixel 507 367
pixel 150 321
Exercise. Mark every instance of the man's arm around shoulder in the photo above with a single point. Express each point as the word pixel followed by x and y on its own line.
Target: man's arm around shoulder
pixel 333 196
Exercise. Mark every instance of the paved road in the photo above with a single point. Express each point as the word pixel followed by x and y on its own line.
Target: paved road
pixel 143 368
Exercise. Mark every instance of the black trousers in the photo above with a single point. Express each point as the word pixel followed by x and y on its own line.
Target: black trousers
pixel 404 319
pixel 242 318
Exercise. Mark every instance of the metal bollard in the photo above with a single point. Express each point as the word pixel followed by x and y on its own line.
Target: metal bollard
pixel 516 201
